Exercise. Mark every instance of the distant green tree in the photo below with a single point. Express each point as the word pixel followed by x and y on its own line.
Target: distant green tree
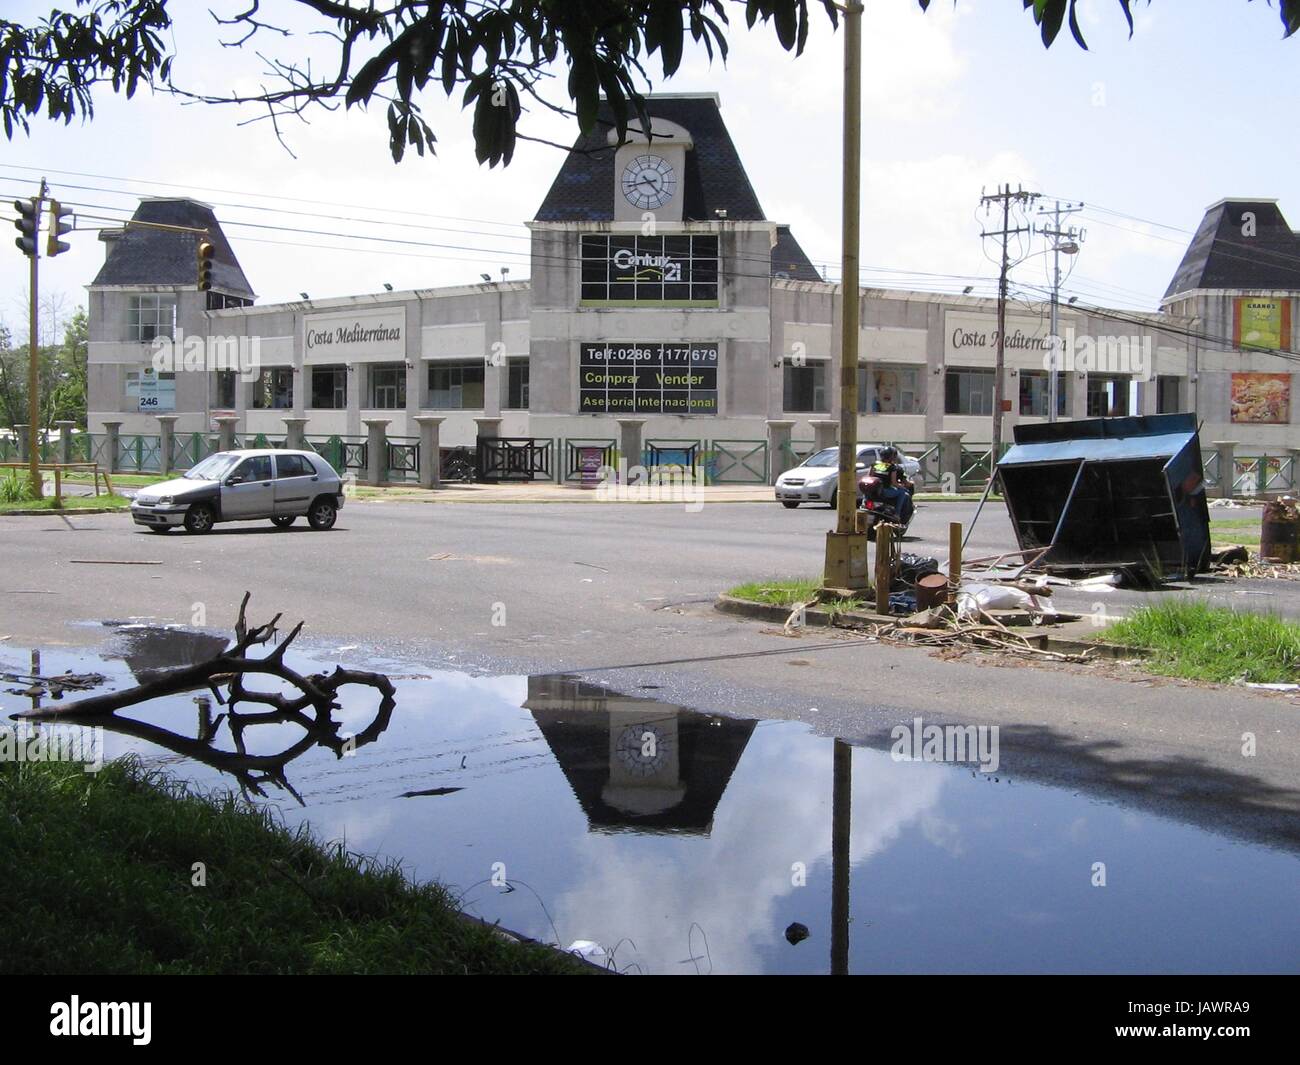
pixel 61 377
pixel 66 394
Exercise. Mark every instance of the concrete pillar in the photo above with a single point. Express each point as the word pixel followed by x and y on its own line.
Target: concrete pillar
pixel 65 440
pixel 356 375
pixel 113 431
pixel 826 432
pixel 166 436
pixel 630 442
pixel 430 453
pixel 950 458
pixel 376 450
pixel 295 433
pixel 20 431
pixel 226 424
pixel 1293 484
pixel 1078 400
pixel 1227 466
pixel 779 458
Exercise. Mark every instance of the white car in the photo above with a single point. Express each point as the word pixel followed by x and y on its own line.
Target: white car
pixel 244 486
pixel 816 480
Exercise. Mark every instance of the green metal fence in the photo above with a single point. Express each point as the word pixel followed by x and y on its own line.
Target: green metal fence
pixel 736 462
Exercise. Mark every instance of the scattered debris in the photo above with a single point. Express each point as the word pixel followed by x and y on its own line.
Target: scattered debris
pixel 796 933
pixel 975 600
pixel 1259 569
pixel 1230 556
pixel 944 629
pixel 589 950
pixel 39 687
pixel 1274 687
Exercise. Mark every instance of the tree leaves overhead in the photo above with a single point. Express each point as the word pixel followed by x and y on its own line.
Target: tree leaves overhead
pixel 498 54
pixel 53 65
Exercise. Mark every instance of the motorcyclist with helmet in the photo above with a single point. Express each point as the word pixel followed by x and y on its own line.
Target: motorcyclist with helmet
pixel 896 489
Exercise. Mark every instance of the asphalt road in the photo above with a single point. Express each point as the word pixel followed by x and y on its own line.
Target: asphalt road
pixel 623 593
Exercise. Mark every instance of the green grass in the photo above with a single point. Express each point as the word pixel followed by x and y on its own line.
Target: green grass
pixel 15 487
pixel 1201 642
pixel 103 885
pixel 100 502
pixel 790 590
pixel 1244 531
pixel 120 480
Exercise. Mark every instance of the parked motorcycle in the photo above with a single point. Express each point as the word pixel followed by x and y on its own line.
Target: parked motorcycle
pixel 878 509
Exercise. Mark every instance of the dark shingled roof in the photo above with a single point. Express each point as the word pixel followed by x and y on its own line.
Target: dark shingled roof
pixel 1221 256
pixel 715 179
pixel 145 256
pixel 583 190
pixel 789 260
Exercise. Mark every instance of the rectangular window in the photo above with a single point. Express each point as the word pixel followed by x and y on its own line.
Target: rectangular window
pixel 273 389
pixel 1168 394
pixel 223 389
pixel 516 384
pixel 886 389
pixel 968 391
pixel 677 269
pixel 805 387
pixel 1107 396
pixel 148 317
pixel 329 387
pixel 1034 400
pixel 388 386
pixel 292 466
pixel 456 385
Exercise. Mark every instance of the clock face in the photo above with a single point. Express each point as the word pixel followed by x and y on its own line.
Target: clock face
pixel 649 182
pixel 642 750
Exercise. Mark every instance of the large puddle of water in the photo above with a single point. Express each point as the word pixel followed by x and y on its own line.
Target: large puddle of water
pixel 690 843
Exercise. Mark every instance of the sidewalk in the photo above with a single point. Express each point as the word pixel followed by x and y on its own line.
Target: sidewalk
pixel 546 492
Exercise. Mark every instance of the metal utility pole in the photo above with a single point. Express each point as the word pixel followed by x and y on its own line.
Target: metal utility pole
pixel 846 557
pixel 1004 197
pixel 1067 242
pixel 29 225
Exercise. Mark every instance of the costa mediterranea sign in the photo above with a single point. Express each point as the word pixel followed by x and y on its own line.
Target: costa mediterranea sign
pixel 973 338
pixel 341 336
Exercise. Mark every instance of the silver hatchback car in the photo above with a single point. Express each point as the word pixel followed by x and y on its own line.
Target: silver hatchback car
pixel 244 486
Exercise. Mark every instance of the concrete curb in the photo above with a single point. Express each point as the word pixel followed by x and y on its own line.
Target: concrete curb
pixel 727 604
pixel 63 510
pixel 545 501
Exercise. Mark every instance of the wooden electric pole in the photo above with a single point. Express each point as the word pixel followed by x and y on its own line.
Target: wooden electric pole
pixel 1004 198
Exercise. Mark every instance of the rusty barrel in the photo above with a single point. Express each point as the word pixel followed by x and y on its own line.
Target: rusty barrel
pixel 1279 538
pixel 931 590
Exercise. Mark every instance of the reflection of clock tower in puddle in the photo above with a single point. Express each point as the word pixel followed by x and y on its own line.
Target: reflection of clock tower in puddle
pixel 644 768
pixel 637 764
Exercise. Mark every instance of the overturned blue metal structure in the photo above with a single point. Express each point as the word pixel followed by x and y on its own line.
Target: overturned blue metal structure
pixel 1110 493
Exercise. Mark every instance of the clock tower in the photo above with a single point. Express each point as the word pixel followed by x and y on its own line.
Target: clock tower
pixel 650 172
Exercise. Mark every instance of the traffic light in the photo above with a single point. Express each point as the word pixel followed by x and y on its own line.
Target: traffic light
pixel 205 265
pixel 57 228
pixel 27 223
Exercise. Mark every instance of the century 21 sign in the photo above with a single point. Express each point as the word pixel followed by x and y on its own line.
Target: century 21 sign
pixel 648 378
pixel 674 269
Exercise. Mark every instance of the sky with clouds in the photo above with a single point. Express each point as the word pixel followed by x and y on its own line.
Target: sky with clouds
pixel 1146 131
